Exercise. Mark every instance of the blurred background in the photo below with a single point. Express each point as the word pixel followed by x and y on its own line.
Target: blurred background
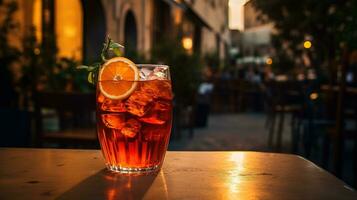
pixel 275 76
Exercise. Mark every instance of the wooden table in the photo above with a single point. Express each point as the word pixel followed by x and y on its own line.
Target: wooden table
pixel 80 174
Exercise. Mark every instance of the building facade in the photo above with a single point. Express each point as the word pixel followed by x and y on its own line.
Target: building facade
pixel 215 33
pixel 256 37
pixel 79 27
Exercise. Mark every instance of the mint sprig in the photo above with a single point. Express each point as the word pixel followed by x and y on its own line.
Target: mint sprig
pixel 93 69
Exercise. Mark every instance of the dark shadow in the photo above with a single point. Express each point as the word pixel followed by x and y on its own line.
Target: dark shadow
pixel 15 127
pixel 162 26
pixel 130 33
pixel 110 186
pixel 94 29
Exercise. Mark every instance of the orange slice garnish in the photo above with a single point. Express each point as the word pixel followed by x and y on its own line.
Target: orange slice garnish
pixel 118 78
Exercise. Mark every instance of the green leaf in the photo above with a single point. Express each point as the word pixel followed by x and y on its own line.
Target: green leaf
pixel 116 48
pixel 96 64
pixel 93 69
pixel 90 78
pixel 88 68
pixel 117 51
pixel 82 67
pixel 103 57
pixel 114 45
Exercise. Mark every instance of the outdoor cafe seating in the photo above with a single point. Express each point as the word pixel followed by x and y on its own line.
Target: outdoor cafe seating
pixel 65 120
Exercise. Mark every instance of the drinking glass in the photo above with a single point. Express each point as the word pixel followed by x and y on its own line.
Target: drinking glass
pixel 134 131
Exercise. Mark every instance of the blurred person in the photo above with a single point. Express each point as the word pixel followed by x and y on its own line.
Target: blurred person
pixel 248 76
pixel 268 73
pixel 241 71
pixel 205 90
pixel 257 76
pixel 207 72
pixel 352 72
pixel 226 75
pixel 258 95
pixel 253 75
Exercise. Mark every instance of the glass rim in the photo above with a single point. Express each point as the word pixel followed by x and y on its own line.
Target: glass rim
pixel 166 68
pixel 152 65
pixel 124 80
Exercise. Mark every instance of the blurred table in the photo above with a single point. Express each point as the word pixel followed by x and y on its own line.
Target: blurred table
pixel 80 174
pixel 335 88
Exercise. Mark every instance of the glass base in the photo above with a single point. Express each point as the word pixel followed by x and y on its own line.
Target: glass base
pixel 133 170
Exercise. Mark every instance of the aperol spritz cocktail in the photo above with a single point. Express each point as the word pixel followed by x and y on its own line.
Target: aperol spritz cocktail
pixel 134 115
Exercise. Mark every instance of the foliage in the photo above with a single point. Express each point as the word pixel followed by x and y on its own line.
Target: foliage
pixel 109 47
pixel 67 77
pixel 30 65
pixel 283 62
pixel 327 23
pixel 8 53
pixel 212 60
pixel 184 68
pixel 43 71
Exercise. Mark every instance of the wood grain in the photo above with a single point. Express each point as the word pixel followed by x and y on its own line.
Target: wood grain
pixel 80 174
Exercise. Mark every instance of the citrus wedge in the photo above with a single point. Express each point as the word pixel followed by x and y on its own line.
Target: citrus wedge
pixel 118 78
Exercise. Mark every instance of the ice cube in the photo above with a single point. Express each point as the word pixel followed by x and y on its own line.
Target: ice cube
pixel 157 89
pixel 138 103
pixel 153 119
pixel 158 113
pixel 165 91
pixel 140 100
pixel 113 121
pixel 113 105
pixel 153 133
pixel 131 128
pixel 144 73
pixel 158 74
pixel 162 105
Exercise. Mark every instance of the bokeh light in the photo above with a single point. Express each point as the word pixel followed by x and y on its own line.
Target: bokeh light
pixel 307 44
pixel 187 43
pixel 269 61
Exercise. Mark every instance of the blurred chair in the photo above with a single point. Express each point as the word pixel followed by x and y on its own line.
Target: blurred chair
pixel 183 119
pixel 282 98
pixel 69 115
pixel 316 120
pixel 222 96
pixel 345 102
pixel 248 96
pixel 348 131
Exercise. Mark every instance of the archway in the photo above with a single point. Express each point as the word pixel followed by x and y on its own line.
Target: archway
pixel 80 31
pixel 130 33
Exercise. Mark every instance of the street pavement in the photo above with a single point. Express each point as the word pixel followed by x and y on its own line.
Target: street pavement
pixel 230 132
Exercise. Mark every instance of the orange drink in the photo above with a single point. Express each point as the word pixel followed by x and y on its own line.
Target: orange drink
pixel 134 114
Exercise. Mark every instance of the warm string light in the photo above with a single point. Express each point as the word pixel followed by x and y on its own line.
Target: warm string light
pixel 307 44
pixel 187 43
pixel 314 96
pixel 269 61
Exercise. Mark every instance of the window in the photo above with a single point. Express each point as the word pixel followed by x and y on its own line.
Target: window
pixel 37 19
pixel 69 28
